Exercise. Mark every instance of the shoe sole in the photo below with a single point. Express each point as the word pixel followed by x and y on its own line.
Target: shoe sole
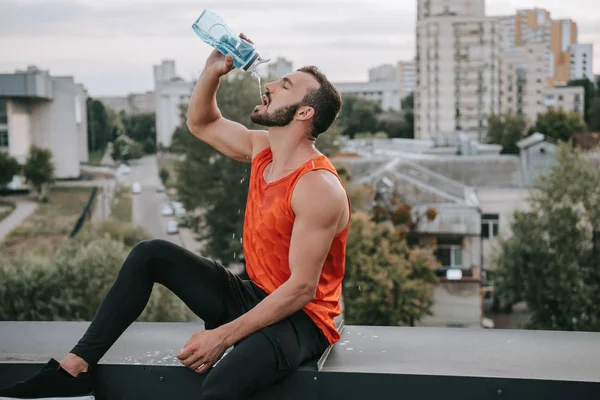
pixel 52 398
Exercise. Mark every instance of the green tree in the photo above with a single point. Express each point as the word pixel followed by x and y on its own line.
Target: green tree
pixel 213 183
pixel 558 124
pixel 594 113
pixel 589 94
pixel 408 102
pixel 39 169
pixel 386 283
pixel 9 167
pixel 100 129
pixel 329 142
pixel 140 127
pixel 358 115
pixel 547 261
pixel 164 175
pixel 506 130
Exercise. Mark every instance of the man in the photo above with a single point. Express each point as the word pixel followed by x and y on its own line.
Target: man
pixel 295 229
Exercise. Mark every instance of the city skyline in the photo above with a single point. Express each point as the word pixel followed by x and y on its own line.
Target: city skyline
pixel 111 47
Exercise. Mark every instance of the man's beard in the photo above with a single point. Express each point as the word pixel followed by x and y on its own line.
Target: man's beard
pixel 280 117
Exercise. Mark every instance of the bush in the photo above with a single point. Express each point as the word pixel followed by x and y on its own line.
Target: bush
pixel 125 232
pixel 71 287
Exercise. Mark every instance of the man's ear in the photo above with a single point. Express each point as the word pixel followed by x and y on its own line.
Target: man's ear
pixel 305 113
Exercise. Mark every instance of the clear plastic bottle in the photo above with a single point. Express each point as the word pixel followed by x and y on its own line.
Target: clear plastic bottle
pixel 211 28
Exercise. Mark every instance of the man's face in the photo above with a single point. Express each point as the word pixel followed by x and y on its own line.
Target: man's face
pixel 282 99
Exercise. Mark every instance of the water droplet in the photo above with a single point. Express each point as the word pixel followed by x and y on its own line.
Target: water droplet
pixel 234 255
pixel 383 351
pixel 242 180
pixel 240 240
pixel 359 288
pixel 234 236
pixel 239 212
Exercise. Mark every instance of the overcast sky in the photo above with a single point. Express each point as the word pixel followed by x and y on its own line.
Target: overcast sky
pixel 111 45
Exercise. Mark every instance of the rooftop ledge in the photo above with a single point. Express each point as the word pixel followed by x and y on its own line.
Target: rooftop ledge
pixel 369 362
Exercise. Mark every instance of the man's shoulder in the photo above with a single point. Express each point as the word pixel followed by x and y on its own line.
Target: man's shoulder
pixel 319 189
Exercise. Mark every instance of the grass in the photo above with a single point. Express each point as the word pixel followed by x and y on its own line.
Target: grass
pixel 50 224
pixel 121 208
pixel 95 157
pixel 6 209
pixel 170 164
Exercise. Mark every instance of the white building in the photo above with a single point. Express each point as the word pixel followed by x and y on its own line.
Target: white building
pixel 45 111
pixel 458 73
pixel 171 93
pixel 279 67
pixel 567 98
pixel 582 61
pixel 465 8
pixel 407 77
pixel 383 87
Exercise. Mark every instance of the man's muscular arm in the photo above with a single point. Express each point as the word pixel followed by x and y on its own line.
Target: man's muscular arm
pixel 314 229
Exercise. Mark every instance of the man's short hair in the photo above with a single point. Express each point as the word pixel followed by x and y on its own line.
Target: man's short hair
pixel 326 101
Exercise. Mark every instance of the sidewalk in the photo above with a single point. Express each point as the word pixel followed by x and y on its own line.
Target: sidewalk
pixel 23 210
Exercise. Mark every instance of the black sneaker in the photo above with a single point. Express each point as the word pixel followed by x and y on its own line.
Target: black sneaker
pixel 51 383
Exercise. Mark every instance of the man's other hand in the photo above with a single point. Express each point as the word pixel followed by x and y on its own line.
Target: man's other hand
pixel 203 350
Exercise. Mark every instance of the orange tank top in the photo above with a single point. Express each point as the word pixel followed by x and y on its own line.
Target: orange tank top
pixel 268 227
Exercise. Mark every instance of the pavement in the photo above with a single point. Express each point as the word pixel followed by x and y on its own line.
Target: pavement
pixel 147 205
pixel 24 208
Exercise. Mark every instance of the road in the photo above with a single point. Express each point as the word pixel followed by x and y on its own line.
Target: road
pixel 148 204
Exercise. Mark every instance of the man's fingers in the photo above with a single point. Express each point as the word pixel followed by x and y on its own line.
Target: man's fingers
pixel 243 36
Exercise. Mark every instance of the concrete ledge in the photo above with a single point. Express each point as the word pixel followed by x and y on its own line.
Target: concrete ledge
pixel 368 362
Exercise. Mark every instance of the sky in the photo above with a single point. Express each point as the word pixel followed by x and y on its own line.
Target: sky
pixel 111 45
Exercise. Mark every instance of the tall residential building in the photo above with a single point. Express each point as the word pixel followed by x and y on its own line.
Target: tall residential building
pixel 279 67
pixel 536 26
pixel 171 93
pixel 464 8
pixel 46 111
pixel 407 77
pixel 458 71
pixel 582 61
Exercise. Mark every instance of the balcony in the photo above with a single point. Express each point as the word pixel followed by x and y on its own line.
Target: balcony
pixel 368 362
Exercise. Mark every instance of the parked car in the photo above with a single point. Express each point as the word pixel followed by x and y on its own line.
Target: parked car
pixel 172 227
pixel 136 188
pixel 167 210
pixel 160 188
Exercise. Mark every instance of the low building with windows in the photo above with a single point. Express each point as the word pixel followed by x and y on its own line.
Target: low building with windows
pixel 46 111
pixel 475 191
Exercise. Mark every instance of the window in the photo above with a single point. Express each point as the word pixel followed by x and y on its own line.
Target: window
pixel 490 223
pixel 449 252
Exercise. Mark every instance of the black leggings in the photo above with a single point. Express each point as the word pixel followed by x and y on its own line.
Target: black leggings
pixel 217 297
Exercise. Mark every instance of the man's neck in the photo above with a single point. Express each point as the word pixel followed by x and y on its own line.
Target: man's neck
pixel 290 149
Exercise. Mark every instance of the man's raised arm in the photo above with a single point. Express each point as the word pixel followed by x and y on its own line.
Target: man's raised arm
pixel 204 118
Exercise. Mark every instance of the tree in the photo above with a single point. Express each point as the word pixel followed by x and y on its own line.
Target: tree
pixel 140 127
pixel 558 124
pixel 589 94
pixel 358 115
pixel 214 185
pixel 594 113
pixel 329 142
pixel 164 175
pixel 547 261
pixel 39 169
pixel 506 130
pixel 386 283
pixel 9 167
pixel 100 129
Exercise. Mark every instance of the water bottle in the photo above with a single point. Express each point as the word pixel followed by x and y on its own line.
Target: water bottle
pixel 211 28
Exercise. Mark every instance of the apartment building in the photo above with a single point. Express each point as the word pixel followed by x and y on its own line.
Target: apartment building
pixel 458 74
pixel 431 8
pixel 171 92
pixel 407 77
pixel 582 61
pixel 382 87
pixel 46 111
pixel 565 98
